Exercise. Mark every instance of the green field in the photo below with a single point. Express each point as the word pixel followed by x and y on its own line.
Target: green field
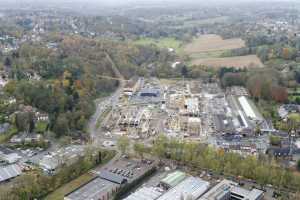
pixel 208 54
pixel 161 43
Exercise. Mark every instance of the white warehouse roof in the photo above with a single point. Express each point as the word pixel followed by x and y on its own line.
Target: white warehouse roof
pixel 189 189
pixel 249 108
pixel 9 172
pixel 145 193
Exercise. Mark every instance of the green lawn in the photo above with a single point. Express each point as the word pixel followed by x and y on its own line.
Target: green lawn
pixel 69 187
pixel 161 43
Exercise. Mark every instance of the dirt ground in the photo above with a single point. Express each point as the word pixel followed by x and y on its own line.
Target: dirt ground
pixel 238 62
pixel 211 42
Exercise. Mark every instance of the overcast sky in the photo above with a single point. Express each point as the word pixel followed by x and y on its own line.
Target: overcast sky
pixel 103 3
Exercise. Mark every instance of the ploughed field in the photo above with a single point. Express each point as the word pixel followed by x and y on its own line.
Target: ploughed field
pixel 237 62
pixel 209 49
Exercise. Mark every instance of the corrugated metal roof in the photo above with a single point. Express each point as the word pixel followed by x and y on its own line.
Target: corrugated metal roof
pixel 174 178
pixel 220 191
pixel 9 172
pixel 191 188
pixel 95 189
pixel 145 193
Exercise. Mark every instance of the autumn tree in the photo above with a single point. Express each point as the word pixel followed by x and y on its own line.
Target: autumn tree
pixel 140 149
pixel 123 144
pixel 279 94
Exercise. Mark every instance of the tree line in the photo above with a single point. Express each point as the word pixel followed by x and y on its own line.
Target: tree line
pixel 261 169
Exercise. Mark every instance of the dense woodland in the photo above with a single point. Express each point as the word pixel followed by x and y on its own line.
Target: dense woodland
pixel 69 77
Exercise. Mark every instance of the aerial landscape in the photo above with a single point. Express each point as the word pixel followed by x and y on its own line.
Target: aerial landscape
pixel 149 100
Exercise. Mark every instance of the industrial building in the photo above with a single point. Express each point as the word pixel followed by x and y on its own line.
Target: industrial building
pixel 97 188
pixel 238 193
pixel 172 179
pixel 150 92
pixel 145 193
pixel 68 155
pixel 8 156
pixel 220 192
pixel 9 172
pixel 189 189
pixel 228 190
pixel 110 179
pixel 250 109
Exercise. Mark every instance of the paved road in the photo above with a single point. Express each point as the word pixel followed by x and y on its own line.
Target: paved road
pixel 103 104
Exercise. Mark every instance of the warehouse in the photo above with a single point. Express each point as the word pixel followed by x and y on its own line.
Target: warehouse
pixel 52 162
pixel 97 188
pixel 172 179
pixel 227 190
pixel 145 193
pixel 8 156
pixel 221 191
pixel 250 109
pixel 189 189
pixel 239 193
pixel 9 172
pixel 150 92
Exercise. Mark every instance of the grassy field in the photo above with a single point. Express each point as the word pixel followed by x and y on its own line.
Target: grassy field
pixel 208 54
pixel 209 50
pixel 69 187
pixel 161 43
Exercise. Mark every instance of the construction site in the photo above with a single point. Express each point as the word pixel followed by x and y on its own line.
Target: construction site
pixel 190 110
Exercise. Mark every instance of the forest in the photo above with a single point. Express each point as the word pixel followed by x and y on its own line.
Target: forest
pixel 63 82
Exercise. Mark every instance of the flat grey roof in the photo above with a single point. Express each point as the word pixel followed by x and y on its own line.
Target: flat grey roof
pixel 92 190
pixel 220 190
pixel 247 194
pixel 191 187
pixel 115 178
pixel 145 193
